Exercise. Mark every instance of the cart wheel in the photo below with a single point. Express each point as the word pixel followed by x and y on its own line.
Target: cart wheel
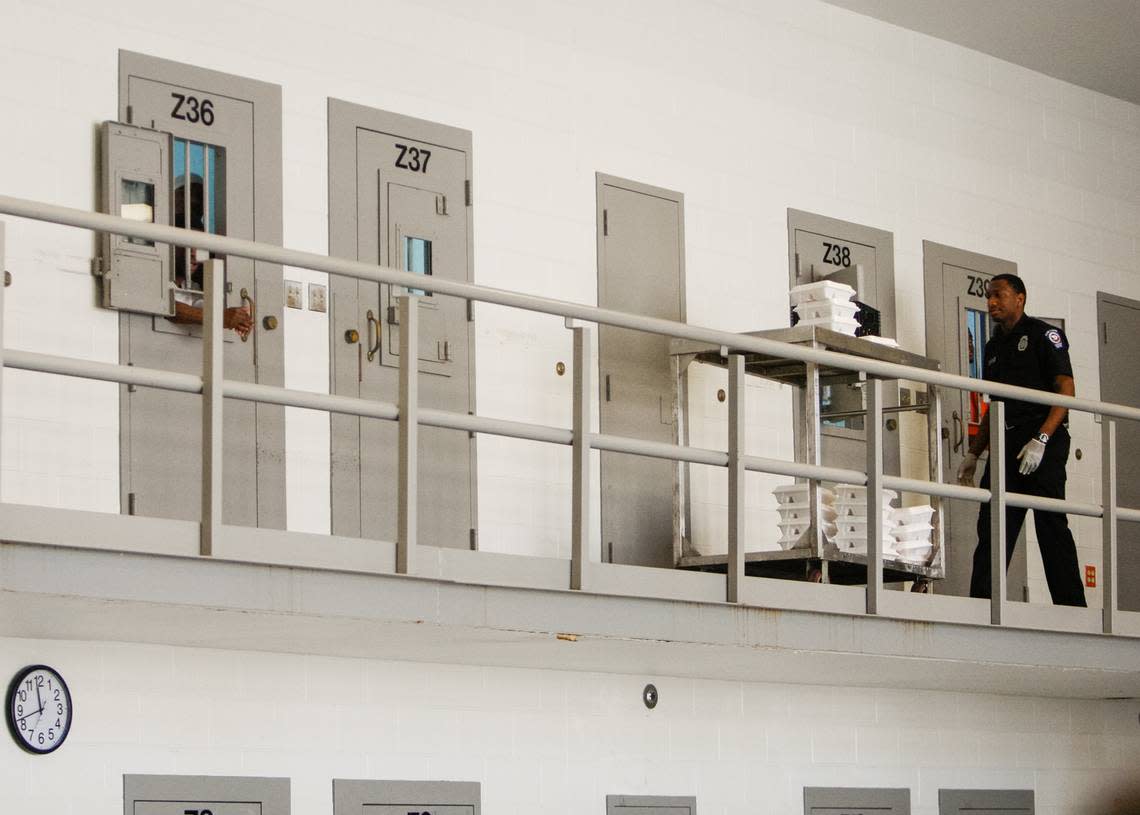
pixel 921 587
pixel 815 576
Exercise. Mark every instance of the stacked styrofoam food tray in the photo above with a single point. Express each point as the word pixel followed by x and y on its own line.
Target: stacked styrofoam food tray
pixel 851 520
pixel 826 304
pixel 912 533
pixel 794 505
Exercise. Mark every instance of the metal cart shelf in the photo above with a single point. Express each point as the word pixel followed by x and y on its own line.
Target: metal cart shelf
pixel 819 560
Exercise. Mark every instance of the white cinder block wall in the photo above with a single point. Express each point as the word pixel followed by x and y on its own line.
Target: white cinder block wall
pixel 747 108
pixel 545 742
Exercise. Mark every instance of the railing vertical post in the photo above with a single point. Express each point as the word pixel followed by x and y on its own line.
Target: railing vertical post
pixel 997 510
pixel 407 467
pixel 874 391
pixel 1108 572
pixel 213 348
pixel 736 477
pixel 580 525
pixel 3 283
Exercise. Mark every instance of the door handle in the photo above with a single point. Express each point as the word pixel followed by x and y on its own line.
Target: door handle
pixel 958 431
pixel 252 309
pixel 373 344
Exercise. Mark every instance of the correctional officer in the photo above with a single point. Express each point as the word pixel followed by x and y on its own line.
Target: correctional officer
pixel 1030 353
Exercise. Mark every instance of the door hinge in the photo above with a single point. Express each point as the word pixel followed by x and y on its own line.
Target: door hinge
pixel 130 503
pixel 1104 326
pixel 130 114
pixel 474 539
pixel 467 192
pixel 605 223
pixel 441 205
pixel 470 311
pixel 97 266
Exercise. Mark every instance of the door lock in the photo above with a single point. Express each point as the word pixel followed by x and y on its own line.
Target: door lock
pixel 892 425
pixel 269 322
pixel 352 336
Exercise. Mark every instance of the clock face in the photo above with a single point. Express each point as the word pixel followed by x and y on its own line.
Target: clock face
pixel 38 709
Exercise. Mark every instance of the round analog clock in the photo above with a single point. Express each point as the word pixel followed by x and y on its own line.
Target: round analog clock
pixel 38 709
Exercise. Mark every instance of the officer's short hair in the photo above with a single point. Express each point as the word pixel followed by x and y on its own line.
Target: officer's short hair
pixel 1015 282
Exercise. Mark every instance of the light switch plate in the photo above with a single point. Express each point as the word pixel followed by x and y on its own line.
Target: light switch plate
pixel 293 296
pixel 317 297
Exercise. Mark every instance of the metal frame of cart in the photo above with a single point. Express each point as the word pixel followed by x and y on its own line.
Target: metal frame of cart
pixel 819 557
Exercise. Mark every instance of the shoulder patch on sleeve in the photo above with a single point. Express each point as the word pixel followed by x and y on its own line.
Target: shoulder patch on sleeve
pixel 1054 336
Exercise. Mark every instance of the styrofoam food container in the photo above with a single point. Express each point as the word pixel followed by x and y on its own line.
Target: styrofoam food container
pixel 798 494
pixel 912 533
pixel 855 527
pixel 905 516
pixel 919 553
pixel 857 512
pixel 821 290
pixel 860 547
pixel 858 492
pixel 835 324
pixel 798 511
pixel 826 310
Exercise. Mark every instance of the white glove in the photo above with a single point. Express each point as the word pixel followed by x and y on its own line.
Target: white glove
pixel 967 469
pixel 1030 456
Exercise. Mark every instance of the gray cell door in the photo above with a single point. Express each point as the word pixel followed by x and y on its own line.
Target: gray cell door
pixel 225 136
pixel 219 795
pixel 985 802
pixel 651 805
pixel 957 328
pixel 353 797
pixel 856 801
pixel 822 248
pixel 1118 321
pixel 640 270
pixel 398 197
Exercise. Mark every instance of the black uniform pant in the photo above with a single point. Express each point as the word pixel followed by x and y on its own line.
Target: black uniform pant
pixel 1058 551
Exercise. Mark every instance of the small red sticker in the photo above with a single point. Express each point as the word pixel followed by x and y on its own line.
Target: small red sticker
pixel 1090 576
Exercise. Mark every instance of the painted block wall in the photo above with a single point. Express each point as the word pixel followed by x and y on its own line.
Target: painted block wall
pixel 545 742
pixel 747 107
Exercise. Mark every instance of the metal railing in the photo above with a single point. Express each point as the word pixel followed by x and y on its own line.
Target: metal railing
pixel 410 415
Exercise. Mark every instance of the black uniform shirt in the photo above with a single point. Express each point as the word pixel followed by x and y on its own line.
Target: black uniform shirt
pixel 1032 354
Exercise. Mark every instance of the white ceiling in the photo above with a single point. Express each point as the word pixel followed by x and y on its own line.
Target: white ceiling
pixel 1091 43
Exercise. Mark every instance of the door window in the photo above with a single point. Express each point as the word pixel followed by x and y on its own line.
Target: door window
pixel 977 334
pixel 199 188
pixel 416 253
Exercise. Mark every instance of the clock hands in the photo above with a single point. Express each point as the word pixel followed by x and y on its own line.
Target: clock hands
pixel 34 712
